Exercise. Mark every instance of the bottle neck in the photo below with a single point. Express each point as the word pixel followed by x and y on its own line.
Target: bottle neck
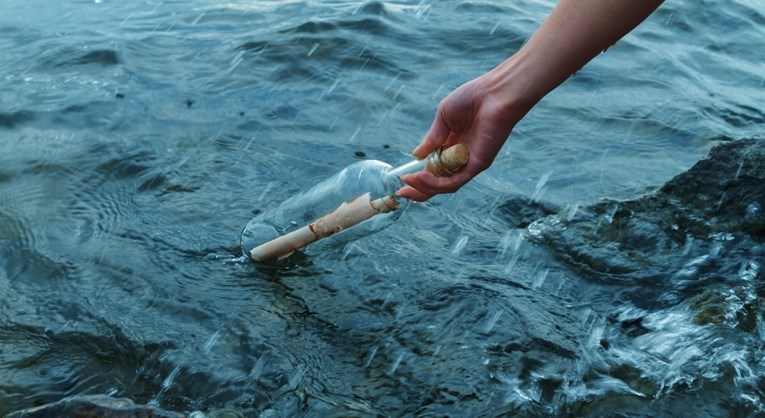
pixel 432 163
pixel 410 167
pixel 442 162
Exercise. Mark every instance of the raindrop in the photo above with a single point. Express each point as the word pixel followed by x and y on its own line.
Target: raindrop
pixel 171 378
pixel 236 60
pixel 371 356
pixel 609 216
pixel 396 363
pixel 539 189
pixel 438 90
pixel 688 244
pixel 313 49
pixel 247 147
pixel 258 367
pixel 355 134
pixel 331 88
pixel 597 329
pixel 210 342
pixel 459 245
pixel 722 200
pixel 262 50
pixel 422 11
pixel 266 191
pixel 195 21
pixel 510 241
pixel 334 122
pixel 393 81
pixel 540 278
pixel 738 171
pixel 385 301
pixel 494 29
pixel 195 58
pixel 395 96
pixel 183 161
pixel 586 314
pixel 493 321
pixel 571 212
pixel 297 377
pixel 594 89
pixel 347 251
pixel 715 250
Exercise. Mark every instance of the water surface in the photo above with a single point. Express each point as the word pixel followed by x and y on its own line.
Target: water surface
pixel 138 138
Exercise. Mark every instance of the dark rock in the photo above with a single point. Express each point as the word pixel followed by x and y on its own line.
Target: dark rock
pixel 519 212
pixel 702 232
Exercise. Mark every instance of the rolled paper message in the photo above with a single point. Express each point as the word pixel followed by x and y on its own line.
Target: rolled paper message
pixel 348 214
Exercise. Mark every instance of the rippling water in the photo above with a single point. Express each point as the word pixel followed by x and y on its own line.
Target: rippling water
pixel 138 138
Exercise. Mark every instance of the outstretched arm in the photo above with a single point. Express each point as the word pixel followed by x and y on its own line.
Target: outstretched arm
pixel 481 113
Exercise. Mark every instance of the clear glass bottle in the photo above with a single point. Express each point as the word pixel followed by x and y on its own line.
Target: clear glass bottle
pixel 378 179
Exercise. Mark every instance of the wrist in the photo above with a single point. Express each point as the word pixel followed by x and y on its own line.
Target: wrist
pixel 515 85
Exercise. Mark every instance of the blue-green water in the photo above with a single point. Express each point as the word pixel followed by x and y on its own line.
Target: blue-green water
pixel 138 138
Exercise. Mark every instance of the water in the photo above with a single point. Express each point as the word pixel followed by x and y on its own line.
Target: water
pixel 138 138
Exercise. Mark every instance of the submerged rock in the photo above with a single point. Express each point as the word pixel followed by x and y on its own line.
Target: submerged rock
pixel 95 406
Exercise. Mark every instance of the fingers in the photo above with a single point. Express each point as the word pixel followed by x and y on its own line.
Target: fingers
pixel 427 184
pixel 435 137
pixel 409 192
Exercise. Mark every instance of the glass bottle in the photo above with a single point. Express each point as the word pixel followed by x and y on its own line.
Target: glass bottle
pixel 357 201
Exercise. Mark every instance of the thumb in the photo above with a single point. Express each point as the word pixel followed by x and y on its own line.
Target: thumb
pixel 434 138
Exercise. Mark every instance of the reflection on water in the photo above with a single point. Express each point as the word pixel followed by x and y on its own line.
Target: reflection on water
pixel 139 138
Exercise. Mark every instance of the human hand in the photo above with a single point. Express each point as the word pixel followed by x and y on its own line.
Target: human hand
pixel 479 114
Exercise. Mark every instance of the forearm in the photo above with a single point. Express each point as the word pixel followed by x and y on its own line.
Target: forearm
pixel 575 32
pixel 482 113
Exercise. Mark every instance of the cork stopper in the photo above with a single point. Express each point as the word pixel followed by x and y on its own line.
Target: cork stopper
pixel 447 161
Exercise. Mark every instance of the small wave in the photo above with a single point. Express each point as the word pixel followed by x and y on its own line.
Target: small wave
pixel 63 56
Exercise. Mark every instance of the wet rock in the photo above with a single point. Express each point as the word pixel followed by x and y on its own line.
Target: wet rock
pixel 700 238
pixel 519 212
pixel 95 406
pixel 713 307
pixel 723 192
